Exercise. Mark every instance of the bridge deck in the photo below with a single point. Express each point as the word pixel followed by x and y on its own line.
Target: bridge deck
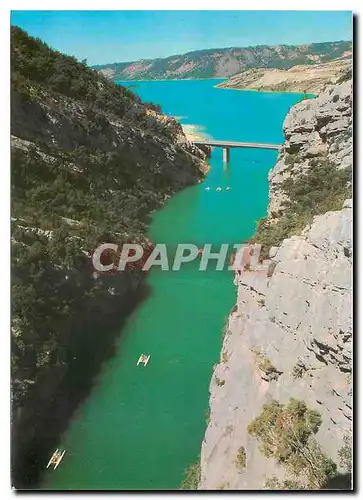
pixel 236 144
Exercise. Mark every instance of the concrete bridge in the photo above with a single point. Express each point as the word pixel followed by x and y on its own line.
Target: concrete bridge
pixel 226 145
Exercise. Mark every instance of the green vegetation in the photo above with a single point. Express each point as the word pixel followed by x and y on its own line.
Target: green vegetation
pixel 298 370
pixel 285 432
pixel 75 185
pixel 224 357
pixel 52 285
pixel 155 107
pixel 264 364
pixel 34 65
pixel 220 382
pixel 291 159
pixel 321 189
pixel 241 458
pixel 204 63
pixel 345 454
pixel 192 477
pixel 288 484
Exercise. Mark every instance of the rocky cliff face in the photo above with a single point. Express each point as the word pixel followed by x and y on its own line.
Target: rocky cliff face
pixel 58 121
pixel 90 161
pixel 290 333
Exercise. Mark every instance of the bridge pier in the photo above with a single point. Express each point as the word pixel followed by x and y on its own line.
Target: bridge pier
pixel 225 155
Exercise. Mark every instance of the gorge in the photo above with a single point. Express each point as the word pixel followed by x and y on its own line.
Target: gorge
pixel 91 164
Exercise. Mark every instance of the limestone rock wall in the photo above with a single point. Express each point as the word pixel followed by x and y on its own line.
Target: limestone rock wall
pixel 296 311
pixel 314 129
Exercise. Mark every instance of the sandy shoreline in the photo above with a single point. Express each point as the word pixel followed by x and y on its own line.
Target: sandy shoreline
pixel 264 91
pixel 194 132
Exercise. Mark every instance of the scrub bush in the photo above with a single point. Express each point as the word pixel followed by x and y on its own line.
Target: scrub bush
pixel 285 432
pixel 241 458
pixel 192 477
pixel 321 189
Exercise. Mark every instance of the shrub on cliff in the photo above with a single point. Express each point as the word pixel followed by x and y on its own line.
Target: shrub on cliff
pixel 345 454
pixel 35 63
pixel 264 364
pixel 321 189
pixel 241 458
pixel 285 432
pixel 192 477
pixel 155 107
pixel 273 483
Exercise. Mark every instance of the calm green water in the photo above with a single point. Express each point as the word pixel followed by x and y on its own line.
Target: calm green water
pixel 141 428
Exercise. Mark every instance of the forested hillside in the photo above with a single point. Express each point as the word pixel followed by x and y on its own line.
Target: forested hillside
pixel 89 163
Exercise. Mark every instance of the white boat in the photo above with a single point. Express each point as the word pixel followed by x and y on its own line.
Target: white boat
pixel 144 358
pixel 52 458
pixel 228 188
pixel 219 188
pixel 59 460
pixel 56 458
pixel 207 188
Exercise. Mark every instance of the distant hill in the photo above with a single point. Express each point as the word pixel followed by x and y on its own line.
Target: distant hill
pixel 301 78
pixel 214 63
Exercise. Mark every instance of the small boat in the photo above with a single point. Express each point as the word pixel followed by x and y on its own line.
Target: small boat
pixel 144 358
pixel 56 458
pixel 200 251
pixel 219 188
pixel 228 188
pixel 207 188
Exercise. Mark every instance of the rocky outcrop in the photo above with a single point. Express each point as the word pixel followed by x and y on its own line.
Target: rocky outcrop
pixel 303 78
pixel 68 124
pixel 290 333
pixel 314 129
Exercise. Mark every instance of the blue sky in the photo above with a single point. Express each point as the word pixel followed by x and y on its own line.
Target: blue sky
pixel 114 36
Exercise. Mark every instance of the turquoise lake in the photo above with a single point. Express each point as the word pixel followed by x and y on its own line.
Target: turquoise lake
pixel 142 427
